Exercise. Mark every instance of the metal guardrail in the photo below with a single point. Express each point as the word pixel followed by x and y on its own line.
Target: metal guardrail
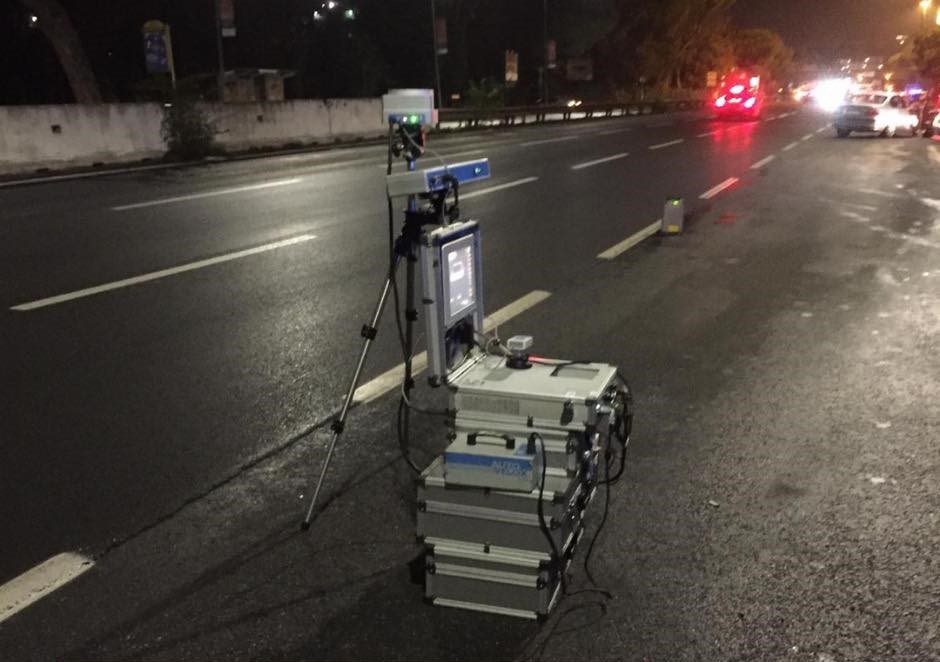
pixel 509 115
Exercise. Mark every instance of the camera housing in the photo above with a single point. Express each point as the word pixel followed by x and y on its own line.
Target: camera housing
pixel 410 106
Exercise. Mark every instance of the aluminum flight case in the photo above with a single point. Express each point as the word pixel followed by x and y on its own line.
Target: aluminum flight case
pixel 565 396
pixel 496 580
pixel 497 517
pixel 561 445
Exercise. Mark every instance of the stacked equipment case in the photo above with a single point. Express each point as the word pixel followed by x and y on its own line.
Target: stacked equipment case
pixel 501 512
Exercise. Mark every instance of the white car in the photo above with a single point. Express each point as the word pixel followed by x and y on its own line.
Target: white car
pixel 875 112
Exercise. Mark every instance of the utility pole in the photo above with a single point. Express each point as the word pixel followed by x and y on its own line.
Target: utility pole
pixel 220 82
pixel 544 51
pixel 437 66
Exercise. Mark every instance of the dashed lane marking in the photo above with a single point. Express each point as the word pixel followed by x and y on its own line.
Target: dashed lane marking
pixel 715 190
pixel 791 146
pixel 163 273
pixel 760 164
pixel 20 592
pixel 210 194
pixel 498 187
pixel 707 133
pixel 545 141
pixel 808 136
pixel 391 379
pixel 631 241
pixel 668 144
pixel 606 159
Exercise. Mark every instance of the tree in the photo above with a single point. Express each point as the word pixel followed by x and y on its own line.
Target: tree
pixel 761 49
pixel 54 22
pixel 925 57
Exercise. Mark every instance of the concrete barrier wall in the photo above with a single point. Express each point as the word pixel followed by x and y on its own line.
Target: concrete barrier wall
pixel 34 137
pixel 63 136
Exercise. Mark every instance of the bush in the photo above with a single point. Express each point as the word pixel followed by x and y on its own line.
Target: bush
pixel 187 131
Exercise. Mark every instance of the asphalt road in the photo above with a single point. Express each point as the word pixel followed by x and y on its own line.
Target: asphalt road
pixel 782 496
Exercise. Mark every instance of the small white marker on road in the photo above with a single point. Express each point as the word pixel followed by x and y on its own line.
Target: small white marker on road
pixel 715 190
pixel 790 146
pixel 668 144
pixel 20 592
pixel 606 159
pixel 631 241
pixel 808 136
pixel 760 164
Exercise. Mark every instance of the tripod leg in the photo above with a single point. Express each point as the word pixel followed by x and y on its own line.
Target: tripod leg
pixel 368 333
pixel 411 315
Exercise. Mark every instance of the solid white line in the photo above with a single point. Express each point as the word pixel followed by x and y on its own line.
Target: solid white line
pixel 210 194
pixel 20 592
pixel 547 140
pixel 163 273
pixel 391 379
pixel 613 131
pixel 500 187
pixel 606 159
pixel 808 136
pixel 631 241
pixel 715 190
pixel 706 134
pixel 85 175
pixel 791 146
pixel 669 144
pixel 760 164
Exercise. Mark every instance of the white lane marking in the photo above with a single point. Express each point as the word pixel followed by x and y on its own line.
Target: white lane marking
pixel 210 194
pixel 391 379
pixel 442 157
pixel 606 159
pixel 808 136
pixel 771 119
pixel 548 140
pixel 760 164
pixel 707 133
pixel 821 129
pixel 163 273
pixel 20 592
pixel 631 241
pixel 499 187
pixel 883 194
pixel 791 146
pixel 715 190
pixel 84 175
pixel 612 132
pixel 668 144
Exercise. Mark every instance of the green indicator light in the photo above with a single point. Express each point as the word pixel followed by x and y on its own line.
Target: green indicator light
pixel 414 119
pixel 675 203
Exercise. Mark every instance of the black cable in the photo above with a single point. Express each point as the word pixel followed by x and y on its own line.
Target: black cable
pixel 624 430
pixel 600 526
pixel 557 564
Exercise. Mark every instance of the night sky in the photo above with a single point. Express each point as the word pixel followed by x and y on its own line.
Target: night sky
pixel 831 28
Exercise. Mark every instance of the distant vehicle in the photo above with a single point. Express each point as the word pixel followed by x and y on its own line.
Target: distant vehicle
pixel 877 112
pixel 740 96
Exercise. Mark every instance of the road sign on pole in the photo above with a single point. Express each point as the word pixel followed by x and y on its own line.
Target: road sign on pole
pixel 158 49
pixel 512 67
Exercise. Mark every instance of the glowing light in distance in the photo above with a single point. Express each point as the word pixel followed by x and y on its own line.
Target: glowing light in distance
pixel 750 102
pixel 720 101
pixel 737 89
pixel 830 94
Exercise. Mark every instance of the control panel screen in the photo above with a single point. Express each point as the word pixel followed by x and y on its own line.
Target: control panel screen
pixel 459 280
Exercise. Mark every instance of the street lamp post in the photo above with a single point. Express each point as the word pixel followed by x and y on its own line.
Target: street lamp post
pixel 437 66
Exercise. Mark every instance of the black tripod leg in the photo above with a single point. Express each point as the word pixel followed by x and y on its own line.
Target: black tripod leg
pixel 368 333
pixel 411 315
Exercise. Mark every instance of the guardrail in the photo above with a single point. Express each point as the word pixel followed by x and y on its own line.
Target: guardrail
pixel 459 118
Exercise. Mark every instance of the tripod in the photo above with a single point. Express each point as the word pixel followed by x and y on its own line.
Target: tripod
pixel 405 248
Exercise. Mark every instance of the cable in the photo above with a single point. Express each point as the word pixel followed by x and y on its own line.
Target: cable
pixel 557 562
pixel 600 526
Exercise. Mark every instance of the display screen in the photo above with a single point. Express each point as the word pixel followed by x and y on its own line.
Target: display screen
pixel 459 279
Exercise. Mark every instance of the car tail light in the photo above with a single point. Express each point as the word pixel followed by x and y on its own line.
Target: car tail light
pixel 720 101
pixel 750 102
pixel 737 89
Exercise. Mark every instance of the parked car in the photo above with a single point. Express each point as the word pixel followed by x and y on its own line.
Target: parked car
pixel 876 112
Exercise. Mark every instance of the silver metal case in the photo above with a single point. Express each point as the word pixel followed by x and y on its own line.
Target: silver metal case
pixel 496 580
pixel 498 517
pixel 567 396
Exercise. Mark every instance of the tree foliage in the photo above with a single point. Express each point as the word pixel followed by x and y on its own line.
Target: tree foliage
pixel 925 56
pixel 763 50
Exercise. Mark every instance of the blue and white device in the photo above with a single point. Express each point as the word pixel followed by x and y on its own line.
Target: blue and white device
pixel 432 180
pixel 409 106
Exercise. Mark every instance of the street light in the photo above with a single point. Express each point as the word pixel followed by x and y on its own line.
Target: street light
pixel 924 7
